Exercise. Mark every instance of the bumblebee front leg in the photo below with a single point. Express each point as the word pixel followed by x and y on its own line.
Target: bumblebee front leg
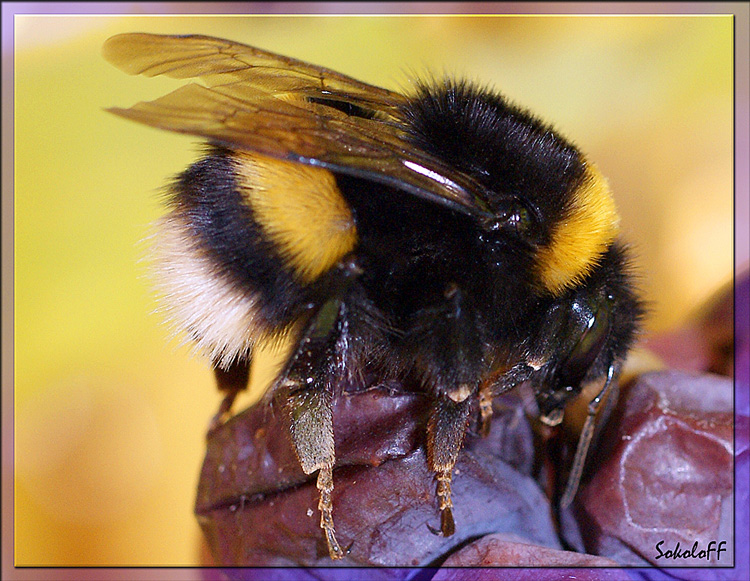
pixel 485 408
pixel 309 379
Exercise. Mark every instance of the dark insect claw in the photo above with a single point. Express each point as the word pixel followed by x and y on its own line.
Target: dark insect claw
pixel 434 531
pixel 447 525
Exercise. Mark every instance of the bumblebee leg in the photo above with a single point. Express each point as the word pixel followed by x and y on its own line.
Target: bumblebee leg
pixel 485 408
pixel 496 383
pixel 312 435
pixel 231 381
pixel 445 433
pixel 449 353
pixel 309 379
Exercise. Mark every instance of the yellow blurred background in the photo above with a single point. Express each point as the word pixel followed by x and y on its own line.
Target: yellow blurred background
pixel 110 414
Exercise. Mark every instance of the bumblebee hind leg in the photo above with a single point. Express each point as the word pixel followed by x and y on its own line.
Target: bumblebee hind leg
pixel 309 381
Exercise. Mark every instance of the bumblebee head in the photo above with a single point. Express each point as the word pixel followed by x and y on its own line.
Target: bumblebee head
pixel 586 331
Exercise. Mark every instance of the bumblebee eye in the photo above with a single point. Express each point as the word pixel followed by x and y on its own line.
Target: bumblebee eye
pixel 518 218
pixel 594 322
pixel 511 216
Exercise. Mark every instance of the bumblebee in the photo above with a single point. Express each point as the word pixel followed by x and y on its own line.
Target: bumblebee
pixel 445 236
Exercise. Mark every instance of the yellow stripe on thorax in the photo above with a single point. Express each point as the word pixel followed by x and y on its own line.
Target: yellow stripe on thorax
pixel 301 210
pixel 581 237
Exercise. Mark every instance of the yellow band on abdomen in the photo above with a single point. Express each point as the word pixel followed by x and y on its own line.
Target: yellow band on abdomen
pixel 300 209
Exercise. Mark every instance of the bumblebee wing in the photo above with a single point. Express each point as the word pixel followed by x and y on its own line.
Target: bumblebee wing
pixel 219 62
pixel 278 106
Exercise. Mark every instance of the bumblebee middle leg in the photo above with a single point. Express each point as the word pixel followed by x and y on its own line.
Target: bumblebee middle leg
pixel 450 357
pixel 445 433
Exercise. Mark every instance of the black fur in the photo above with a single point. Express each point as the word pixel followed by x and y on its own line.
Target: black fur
pixel 206 194
pixel 509 151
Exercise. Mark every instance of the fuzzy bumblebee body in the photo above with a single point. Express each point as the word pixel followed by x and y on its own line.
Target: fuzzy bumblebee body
pixel 446 236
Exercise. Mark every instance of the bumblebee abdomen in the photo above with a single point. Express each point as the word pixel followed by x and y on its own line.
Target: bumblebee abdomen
pixel 246 239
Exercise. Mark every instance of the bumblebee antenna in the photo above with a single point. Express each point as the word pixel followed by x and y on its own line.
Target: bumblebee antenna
pixel 587 435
